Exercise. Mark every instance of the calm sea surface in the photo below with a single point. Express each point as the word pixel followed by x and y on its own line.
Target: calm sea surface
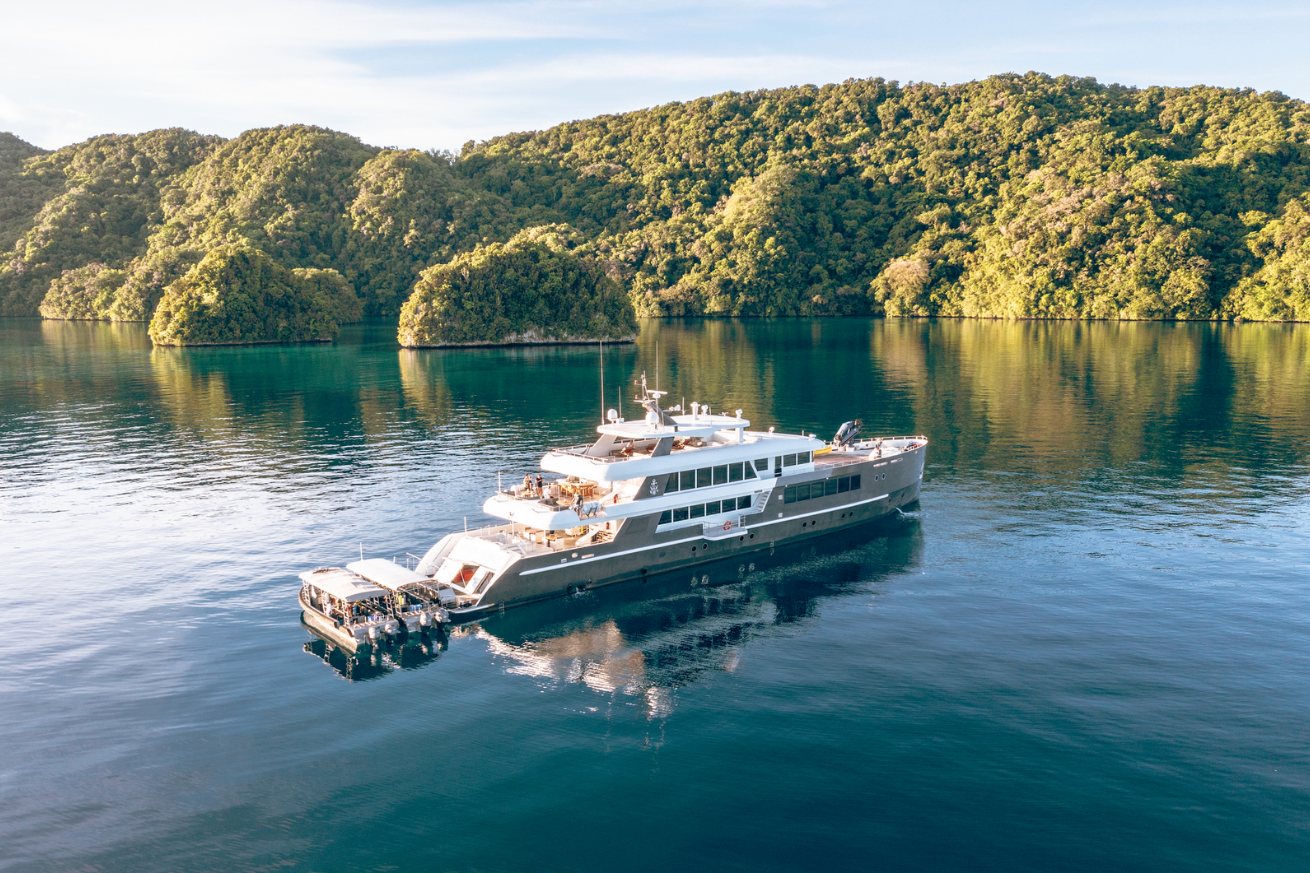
pixel 1088 647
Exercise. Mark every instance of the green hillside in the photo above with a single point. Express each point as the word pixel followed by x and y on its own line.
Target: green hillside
pixel 1016 196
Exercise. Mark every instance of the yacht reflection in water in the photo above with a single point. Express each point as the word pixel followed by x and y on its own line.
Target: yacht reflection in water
pixel 646 638
pixel 379 661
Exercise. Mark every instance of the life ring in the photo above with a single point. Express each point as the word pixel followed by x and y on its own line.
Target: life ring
pixel 727 525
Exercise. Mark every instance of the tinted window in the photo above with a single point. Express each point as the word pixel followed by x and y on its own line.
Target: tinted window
pixel 750 474
pixel 803 458
pixel 703 477
pixel 680 514
pixel 803 492
pixel 673 484
pixel 712 508
pixel 843 484
pixel 734 472
pixel 744 502
pixel 687 480
pixel 830 487
pixel 789 460
pixel 698 511
pixel 762 464
pixel 855 483
pixel 666 516
pixel 789 496
pixel 721 475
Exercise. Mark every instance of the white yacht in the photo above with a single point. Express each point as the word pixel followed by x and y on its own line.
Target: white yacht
pixel 668 496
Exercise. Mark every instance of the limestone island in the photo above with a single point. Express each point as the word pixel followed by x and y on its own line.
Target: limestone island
pixel 529 291
pixel 238 295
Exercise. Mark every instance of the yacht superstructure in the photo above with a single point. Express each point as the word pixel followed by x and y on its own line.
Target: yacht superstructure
pixel 664 495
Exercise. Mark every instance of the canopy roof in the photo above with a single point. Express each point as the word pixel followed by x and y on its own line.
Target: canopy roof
pixel 382 572
pixel 342 584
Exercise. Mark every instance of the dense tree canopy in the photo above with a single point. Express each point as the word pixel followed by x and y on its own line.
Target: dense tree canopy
pixel 1014 196
pixel 531 289
pixel 238 294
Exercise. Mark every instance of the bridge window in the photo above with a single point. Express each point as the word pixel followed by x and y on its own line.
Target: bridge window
pixel 789 460
pixel 761 464
pixel 750 474
pixel 803 458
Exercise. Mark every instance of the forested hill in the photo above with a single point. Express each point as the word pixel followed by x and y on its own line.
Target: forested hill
pixel 1016 196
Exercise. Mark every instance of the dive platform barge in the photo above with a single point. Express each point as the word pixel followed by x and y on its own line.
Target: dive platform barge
pixel 658 496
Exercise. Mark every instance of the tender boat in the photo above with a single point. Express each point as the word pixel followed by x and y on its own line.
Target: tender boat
pixel 347 609
pixel 667 496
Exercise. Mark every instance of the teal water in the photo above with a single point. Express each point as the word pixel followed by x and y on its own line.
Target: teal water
pixel 1088 648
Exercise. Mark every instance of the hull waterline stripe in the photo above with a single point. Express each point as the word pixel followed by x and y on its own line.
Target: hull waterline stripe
pixel 564 566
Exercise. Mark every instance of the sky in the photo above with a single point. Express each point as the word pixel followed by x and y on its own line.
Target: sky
pixel 434 75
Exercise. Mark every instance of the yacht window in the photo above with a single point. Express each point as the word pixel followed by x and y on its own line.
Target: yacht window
pixel 843 484
pixel 703 478
pixel 855 483
pixel 750 473
pixel 789 496
pixel 830 487
pixel 721 475
pixel 803 458
pixel 761 464
pixel 666 516
pixel 698 511
pixel 687 478
pixel 803 492
pixel 713 508
pixel 734 472
pixel 744 502
pixel 680 514
pixel 673 484
pixel 789 460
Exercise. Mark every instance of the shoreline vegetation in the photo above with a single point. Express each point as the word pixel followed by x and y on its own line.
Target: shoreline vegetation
pixel 1015 197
